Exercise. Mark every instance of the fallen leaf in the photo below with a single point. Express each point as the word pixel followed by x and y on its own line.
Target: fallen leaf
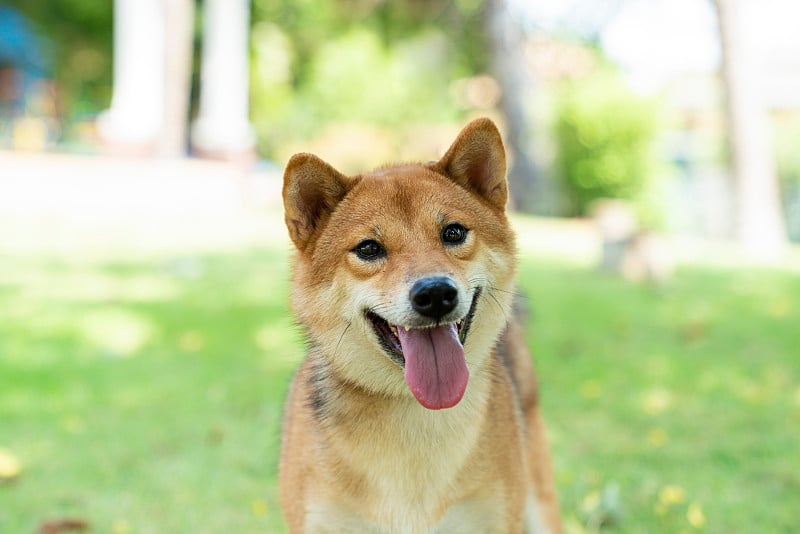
pixel 694 330
pixel 62 525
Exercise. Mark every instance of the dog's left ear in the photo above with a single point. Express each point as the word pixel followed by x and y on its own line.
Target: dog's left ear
pixel 477 161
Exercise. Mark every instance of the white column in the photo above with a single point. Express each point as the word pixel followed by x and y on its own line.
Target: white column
pixel 137 104
pixel 223 126
pixel 178 46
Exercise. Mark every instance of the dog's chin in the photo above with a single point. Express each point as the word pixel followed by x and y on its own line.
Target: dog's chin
pixel 386 332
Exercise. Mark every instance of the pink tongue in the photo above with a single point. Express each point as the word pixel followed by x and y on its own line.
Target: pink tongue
pixel 436 369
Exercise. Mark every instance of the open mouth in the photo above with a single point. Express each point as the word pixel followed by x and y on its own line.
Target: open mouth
pixel 390 341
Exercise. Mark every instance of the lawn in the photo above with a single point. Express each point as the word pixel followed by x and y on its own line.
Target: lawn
pixel 144 396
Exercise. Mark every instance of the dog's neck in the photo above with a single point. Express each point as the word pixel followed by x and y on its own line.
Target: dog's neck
pixel 401 450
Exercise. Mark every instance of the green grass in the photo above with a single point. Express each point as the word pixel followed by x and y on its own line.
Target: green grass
pixel 146 396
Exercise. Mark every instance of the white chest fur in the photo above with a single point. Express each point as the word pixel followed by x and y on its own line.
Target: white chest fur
pixel 411 465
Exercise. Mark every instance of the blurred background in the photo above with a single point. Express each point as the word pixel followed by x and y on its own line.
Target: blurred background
pixel 145 343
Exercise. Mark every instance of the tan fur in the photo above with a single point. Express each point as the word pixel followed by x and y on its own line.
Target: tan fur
pixel 359 453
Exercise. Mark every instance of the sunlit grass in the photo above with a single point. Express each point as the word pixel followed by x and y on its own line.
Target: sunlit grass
pixel 145 396
pixel 142 413
pixel 685 386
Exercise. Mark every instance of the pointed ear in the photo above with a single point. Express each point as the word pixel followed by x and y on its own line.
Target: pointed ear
pixel 477 161
pixel 311 190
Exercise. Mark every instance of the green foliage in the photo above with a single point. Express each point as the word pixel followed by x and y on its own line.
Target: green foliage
pixel 356 78
pixel 309 24
pixel 351 78
pixel 387 63
pixel 604 134
pixel 80 33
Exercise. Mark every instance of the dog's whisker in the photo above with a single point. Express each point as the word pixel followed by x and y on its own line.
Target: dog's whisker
pixel 500 306
pixel 346 328
pixel 479 281
pixel 514 293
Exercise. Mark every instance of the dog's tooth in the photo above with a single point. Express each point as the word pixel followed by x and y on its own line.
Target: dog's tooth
pixel 407 328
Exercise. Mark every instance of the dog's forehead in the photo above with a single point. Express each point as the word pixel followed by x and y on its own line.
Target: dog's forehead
pixel 405 194
pixel 402 177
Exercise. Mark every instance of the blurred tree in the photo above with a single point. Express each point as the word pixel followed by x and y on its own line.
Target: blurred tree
pixel 760 226
pixel 376 61
pixel 82 33
pixel 309 24
pixel 506 39
pixel 604 133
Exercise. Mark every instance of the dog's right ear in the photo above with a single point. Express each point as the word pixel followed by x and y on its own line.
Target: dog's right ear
pixel 311 190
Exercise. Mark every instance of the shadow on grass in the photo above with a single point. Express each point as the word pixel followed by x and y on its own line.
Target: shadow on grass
pixel 145 394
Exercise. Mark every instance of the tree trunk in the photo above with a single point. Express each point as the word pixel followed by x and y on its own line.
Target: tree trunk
pixel 506 41
pixel 759 221
pixel 178 76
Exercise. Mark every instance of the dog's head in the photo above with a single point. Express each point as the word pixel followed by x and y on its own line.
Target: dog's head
pixel 403 276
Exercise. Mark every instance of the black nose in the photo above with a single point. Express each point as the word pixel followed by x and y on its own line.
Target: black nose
pixel 434 297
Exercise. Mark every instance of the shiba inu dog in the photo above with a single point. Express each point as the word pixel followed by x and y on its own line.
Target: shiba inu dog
pixel 415 409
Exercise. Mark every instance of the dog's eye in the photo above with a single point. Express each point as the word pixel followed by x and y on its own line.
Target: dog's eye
pixel 453 234
pixel 369 249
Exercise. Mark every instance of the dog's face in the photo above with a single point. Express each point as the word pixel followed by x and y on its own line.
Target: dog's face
pixel 404 275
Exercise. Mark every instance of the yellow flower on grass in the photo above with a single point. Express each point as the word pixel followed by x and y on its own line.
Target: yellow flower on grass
pixel 10 466
pixel 695 515
pixel 671 494
pixel 591 389
pixel 657 437
pixel 259 507
pixel 120 526
pixel 191 341
pixel 780 307
pixel 573 526
pixel 656 401
pixel 590 501
pixel 73 424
